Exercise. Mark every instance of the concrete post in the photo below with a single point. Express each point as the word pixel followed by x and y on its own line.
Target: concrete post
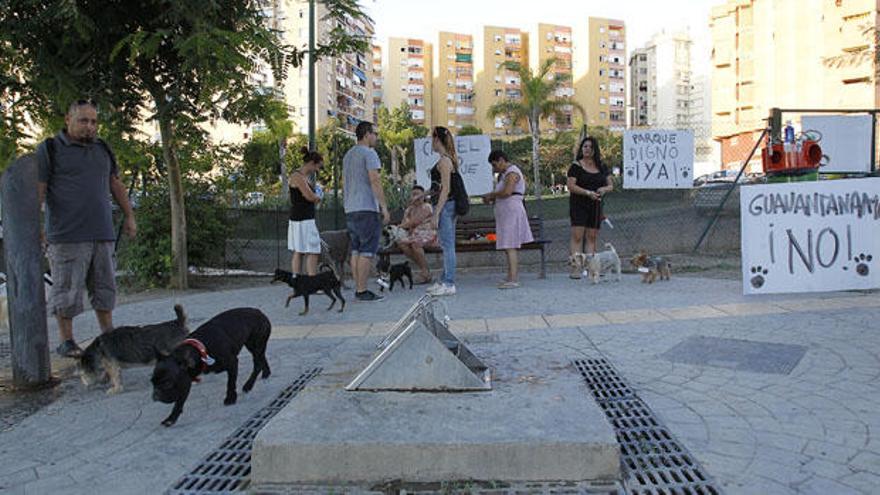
pixel 25 293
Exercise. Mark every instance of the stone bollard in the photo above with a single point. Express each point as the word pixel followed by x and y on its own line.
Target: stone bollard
pixel 25 292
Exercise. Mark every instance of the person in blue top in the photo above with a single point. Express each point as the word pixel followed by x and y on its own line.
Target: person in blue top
pixel 365 207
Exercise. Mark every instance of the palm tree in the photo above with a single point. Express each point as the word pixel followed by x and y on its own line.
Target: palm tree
pixel 539 101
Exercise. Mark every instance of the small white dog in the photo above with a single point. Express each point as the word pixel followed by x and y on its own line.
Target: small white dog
pixel 390 235
pixel 602 262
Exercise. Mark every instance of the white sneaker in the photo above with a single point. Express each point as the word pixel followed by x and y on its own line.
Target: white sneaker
pixel 443 290
pixel 434 287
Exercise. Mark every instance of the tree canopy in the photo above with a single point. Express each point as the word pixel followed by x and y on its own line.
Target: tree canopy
pixel 179 64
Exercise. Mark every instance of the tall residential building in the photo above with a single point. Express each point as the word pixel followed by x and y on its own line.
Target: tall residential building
pixel 780 53
pixel 408 77
pixel 344 84
pixel 641 88
pixel 600 76
pixel 669 91
pixel 377 81
pixel 660 81
pixel 495 84
pixel 553 41
pixel 454 81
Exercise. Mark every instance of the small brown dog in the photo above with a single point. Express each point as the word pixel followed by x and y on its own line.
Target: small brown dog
pixel 651 267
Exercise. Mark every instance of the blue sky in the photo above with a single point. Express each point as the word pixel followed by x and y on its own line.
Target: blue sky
pixel 424 18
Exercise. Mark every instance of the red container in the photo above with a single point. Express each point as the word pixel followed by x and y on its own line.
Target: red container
pixel 778 161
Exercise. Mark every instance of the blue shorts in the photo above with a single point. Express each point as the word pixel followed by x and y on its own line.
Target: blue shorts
pixel 364 230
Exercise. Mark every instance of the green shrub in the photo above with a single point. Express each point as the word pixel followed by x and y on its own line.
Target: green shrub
pixel 148 257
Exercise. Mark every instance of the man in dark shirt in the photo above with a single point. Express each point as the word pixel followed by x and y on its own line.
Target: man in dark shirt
pixel 77 175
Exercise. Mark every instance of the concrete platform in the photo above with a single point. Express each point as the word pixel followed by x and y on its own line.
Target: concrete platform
pixel 538 424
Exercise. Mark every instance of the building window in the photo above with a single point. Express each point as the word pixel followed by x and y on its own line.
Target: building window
pixel 497 37
pixel 601 72
pixel 603 101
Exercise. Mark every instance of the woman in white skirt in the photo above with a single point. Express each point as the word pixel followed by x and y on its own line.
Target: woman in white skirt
pixel 302 234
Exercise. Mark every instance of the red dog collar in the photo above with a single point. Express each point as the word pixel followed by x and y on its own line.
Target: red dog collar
pixel 203 355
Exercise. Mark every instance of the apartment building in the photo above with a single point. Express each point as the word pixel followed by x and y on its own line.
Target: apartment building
pixel 494 83
pixel 600 75
pixel 408 77
pixel 781 53
pixel 660 81
pixel 669 90
pixel 377 81
pixel 641 88
pixel 554 41
pixel 454 94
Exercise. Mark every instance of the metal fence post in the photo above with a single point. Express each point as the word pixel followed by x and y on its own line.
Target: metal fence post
pixel 730 191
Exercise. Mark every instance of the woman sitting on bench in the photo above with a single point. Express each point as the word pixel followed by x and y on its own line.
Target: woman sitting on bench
pixel 420 232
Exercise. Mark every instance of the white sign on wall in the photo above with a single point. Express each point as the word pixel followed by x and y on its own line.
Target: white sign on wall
pixel 846 140
pixel 658 159
pixel 810 236
pixel 473 163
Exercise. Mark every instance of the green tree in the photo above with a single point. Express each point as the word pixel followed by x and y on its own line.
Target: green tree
pixel 538 101
pixel 470 130
pixel 184 63
pixel 397 132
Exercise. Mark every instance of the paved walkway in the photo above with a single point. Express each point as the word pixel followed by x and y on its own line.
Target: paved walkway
pixel 807 425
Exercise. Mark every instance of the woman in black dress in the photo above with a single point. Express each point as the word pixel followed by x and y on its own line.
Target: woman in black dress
pixel 588 181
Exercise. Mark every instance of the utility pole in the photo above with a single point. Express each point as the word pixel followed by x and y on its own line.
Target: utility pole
pixel 312 107
pixel 279 93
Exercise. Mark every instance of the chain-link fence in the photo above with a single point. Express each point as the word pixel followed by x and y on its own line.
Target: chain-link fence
pixel 660 221
pixel 702 218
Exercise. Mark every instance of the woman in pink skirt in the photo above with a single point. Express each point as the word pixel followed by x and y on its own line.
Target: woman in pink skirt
pixel 511 221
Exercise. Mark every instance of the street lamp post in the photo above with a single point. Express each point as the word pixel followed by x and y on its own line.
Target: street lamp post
pixel 312 107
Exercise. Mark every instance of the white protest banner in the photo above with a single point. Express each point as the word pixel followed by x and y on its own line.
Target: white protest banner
pixel 845 140
pixel 810 236
pixel 473 163
pixel 658 159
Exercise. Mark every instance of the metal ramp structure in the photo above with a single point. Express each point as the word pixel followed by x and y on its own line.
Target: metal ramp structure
pixel 419 353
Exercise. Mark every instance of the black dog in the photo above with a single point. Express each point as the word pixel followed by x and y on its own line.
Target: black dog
pixel 213 348
pixel 395 272
pixel 129 346
pixel 305 285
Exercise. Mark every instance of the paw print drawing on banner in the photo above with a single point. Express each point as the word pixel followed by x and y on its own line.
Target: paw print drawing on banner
pixel 758 280
pixel 862 261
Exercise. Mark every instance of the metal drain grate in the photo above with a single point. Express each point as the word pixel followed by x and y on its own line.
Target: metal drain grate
pixel 227 469
pixel 654 462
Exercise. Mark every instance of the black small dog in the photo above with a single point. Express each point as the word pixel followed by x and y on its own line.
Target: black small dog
pixel 129 346
pixel 305 285
pixel 395 272
pixel 213 348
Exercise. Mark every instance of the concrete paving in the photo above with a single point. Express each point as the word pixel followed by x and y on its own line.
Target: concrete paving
pixel 812 430
pixel 535 424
